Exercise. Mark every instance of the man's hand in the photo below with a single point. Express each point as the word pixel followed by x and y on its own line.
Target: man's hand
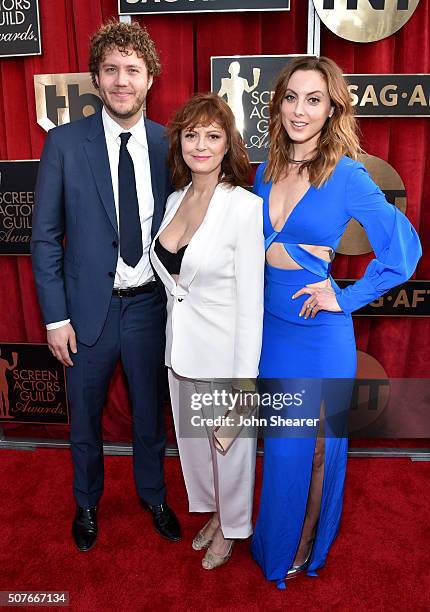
pixel 59 340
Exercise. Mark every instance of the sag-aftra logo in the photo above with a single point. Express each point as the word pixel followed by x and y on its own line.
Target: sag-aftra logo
pixel 365 20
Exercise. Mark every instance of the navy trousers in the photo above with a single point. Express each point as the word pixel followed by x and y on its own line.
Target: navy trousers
pixel 135 333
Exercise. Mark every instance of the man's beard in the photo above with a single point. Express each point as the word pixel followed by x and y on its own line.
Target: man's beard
pixel 139 105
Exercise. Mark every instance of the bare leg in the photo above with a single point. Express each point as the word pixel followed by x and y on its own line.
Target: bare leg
pixel 313 506
pixel 219 551
pixel 212 527
pixel 213 532
pixel 220 545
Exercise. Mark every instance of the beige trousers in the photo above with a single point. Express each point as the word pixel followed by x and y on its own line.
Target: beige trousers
pixel 215 482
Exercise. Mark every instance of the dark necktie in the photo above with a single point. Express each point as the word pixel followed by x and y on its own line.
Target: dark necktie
pixel 130 233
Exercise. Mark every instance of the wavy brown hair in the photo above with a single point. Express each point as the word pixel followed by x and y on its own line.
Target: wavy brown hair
pixel 204 109
pixel 339 135
pixel 124 37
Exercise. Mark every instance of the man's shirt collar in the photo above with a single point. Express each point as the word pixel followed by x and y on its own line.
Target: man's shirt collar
pixel 113 129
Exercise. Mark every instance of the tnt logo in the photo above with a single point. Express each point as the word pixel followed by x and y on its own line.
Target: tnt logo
pixel 378 5
pixel 371 393
pixel 61 98
pixel 365 20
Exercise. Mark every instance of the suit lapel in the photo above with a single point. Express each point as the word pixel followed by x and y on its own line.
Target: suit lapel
pixel 157 163
pixel 194 255
pixel 96 151
pixel 161 270
pixel 195 251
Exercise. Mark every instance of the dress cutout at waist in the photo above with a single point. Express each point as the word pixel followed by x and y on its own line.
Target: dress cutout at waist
pixel 305 259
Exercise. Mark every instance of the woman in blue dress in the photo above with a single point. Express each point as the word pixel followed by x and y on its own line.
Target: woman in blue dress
pixel 312 186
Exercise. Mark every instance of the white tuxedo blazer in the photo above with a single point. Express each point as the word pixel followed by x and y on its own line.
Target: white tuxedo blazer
pixel 215 311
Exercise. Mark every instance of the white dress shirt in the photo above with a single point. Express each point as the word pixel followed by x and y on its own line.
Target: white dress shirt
pixel 126 276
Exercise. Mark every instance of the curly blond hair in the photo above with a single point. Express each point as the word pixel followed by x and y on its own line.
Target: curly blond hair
pixel 122 36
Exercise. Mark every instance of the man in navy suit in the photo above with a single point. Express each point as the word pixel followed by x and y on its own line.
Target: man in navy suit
pixel 100 197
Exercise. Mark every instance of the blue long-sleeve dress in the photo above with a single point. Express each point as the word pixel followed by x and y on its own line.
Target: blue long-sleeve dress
pixel 318 348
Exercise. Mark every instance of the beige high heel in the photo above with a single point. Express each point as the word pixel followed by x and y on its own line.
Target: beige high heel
pixel 212 560
pixel 200 541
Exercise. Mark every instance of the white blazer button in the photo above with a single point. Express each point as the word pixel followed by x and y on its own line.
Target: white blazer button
pixel 180 299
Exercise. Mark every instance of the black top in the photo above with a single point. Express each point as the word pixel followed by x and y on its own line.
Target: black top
pixel 171 261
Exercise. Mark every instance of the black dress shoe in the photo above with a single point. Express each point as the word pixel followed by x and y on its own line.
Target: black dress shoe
pixel 165 521
pixel 84 528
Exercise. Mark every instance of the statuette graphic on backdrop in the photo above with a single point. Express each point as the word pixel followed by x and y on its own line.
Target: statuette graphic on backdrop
pixel 234 88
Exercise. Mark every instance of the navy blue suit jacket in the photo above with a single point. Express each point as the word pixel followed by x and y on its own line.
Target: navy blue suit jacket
pixel 74 200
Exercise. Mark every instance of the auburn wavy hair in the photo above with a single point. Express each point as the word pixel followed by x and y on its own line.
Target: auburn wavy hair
pixel 204 109
pixel 122 36
pixel 339 135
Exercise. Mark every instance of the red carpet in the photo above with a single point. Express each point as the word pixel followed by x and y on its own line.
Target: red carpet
pixel 379 562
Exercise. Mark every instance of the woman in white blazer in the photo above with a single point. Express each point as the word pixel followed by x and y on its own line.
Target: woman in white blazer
pixel 209 253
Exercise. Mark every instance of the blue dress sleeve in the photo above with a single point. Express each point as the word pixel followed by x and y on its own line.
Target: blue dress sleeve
pixel 394 240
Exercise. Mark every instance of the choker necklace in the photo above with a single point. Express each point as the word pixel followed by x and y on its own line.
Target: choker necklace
pixel 299 161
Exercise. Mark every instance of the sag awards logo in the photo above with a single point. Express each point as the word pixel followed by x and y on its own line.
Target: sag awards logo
pixel 61 98
pixel 32 385
pixel 247 83
pixel 19 28
pixel 16 208
pixel 390 95
pixel 365 20
pixel 234 87
pixel 17 183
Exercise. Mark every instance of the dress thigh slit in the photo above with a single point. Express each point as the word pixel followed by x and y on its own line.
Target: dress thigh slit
pixel 316 351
